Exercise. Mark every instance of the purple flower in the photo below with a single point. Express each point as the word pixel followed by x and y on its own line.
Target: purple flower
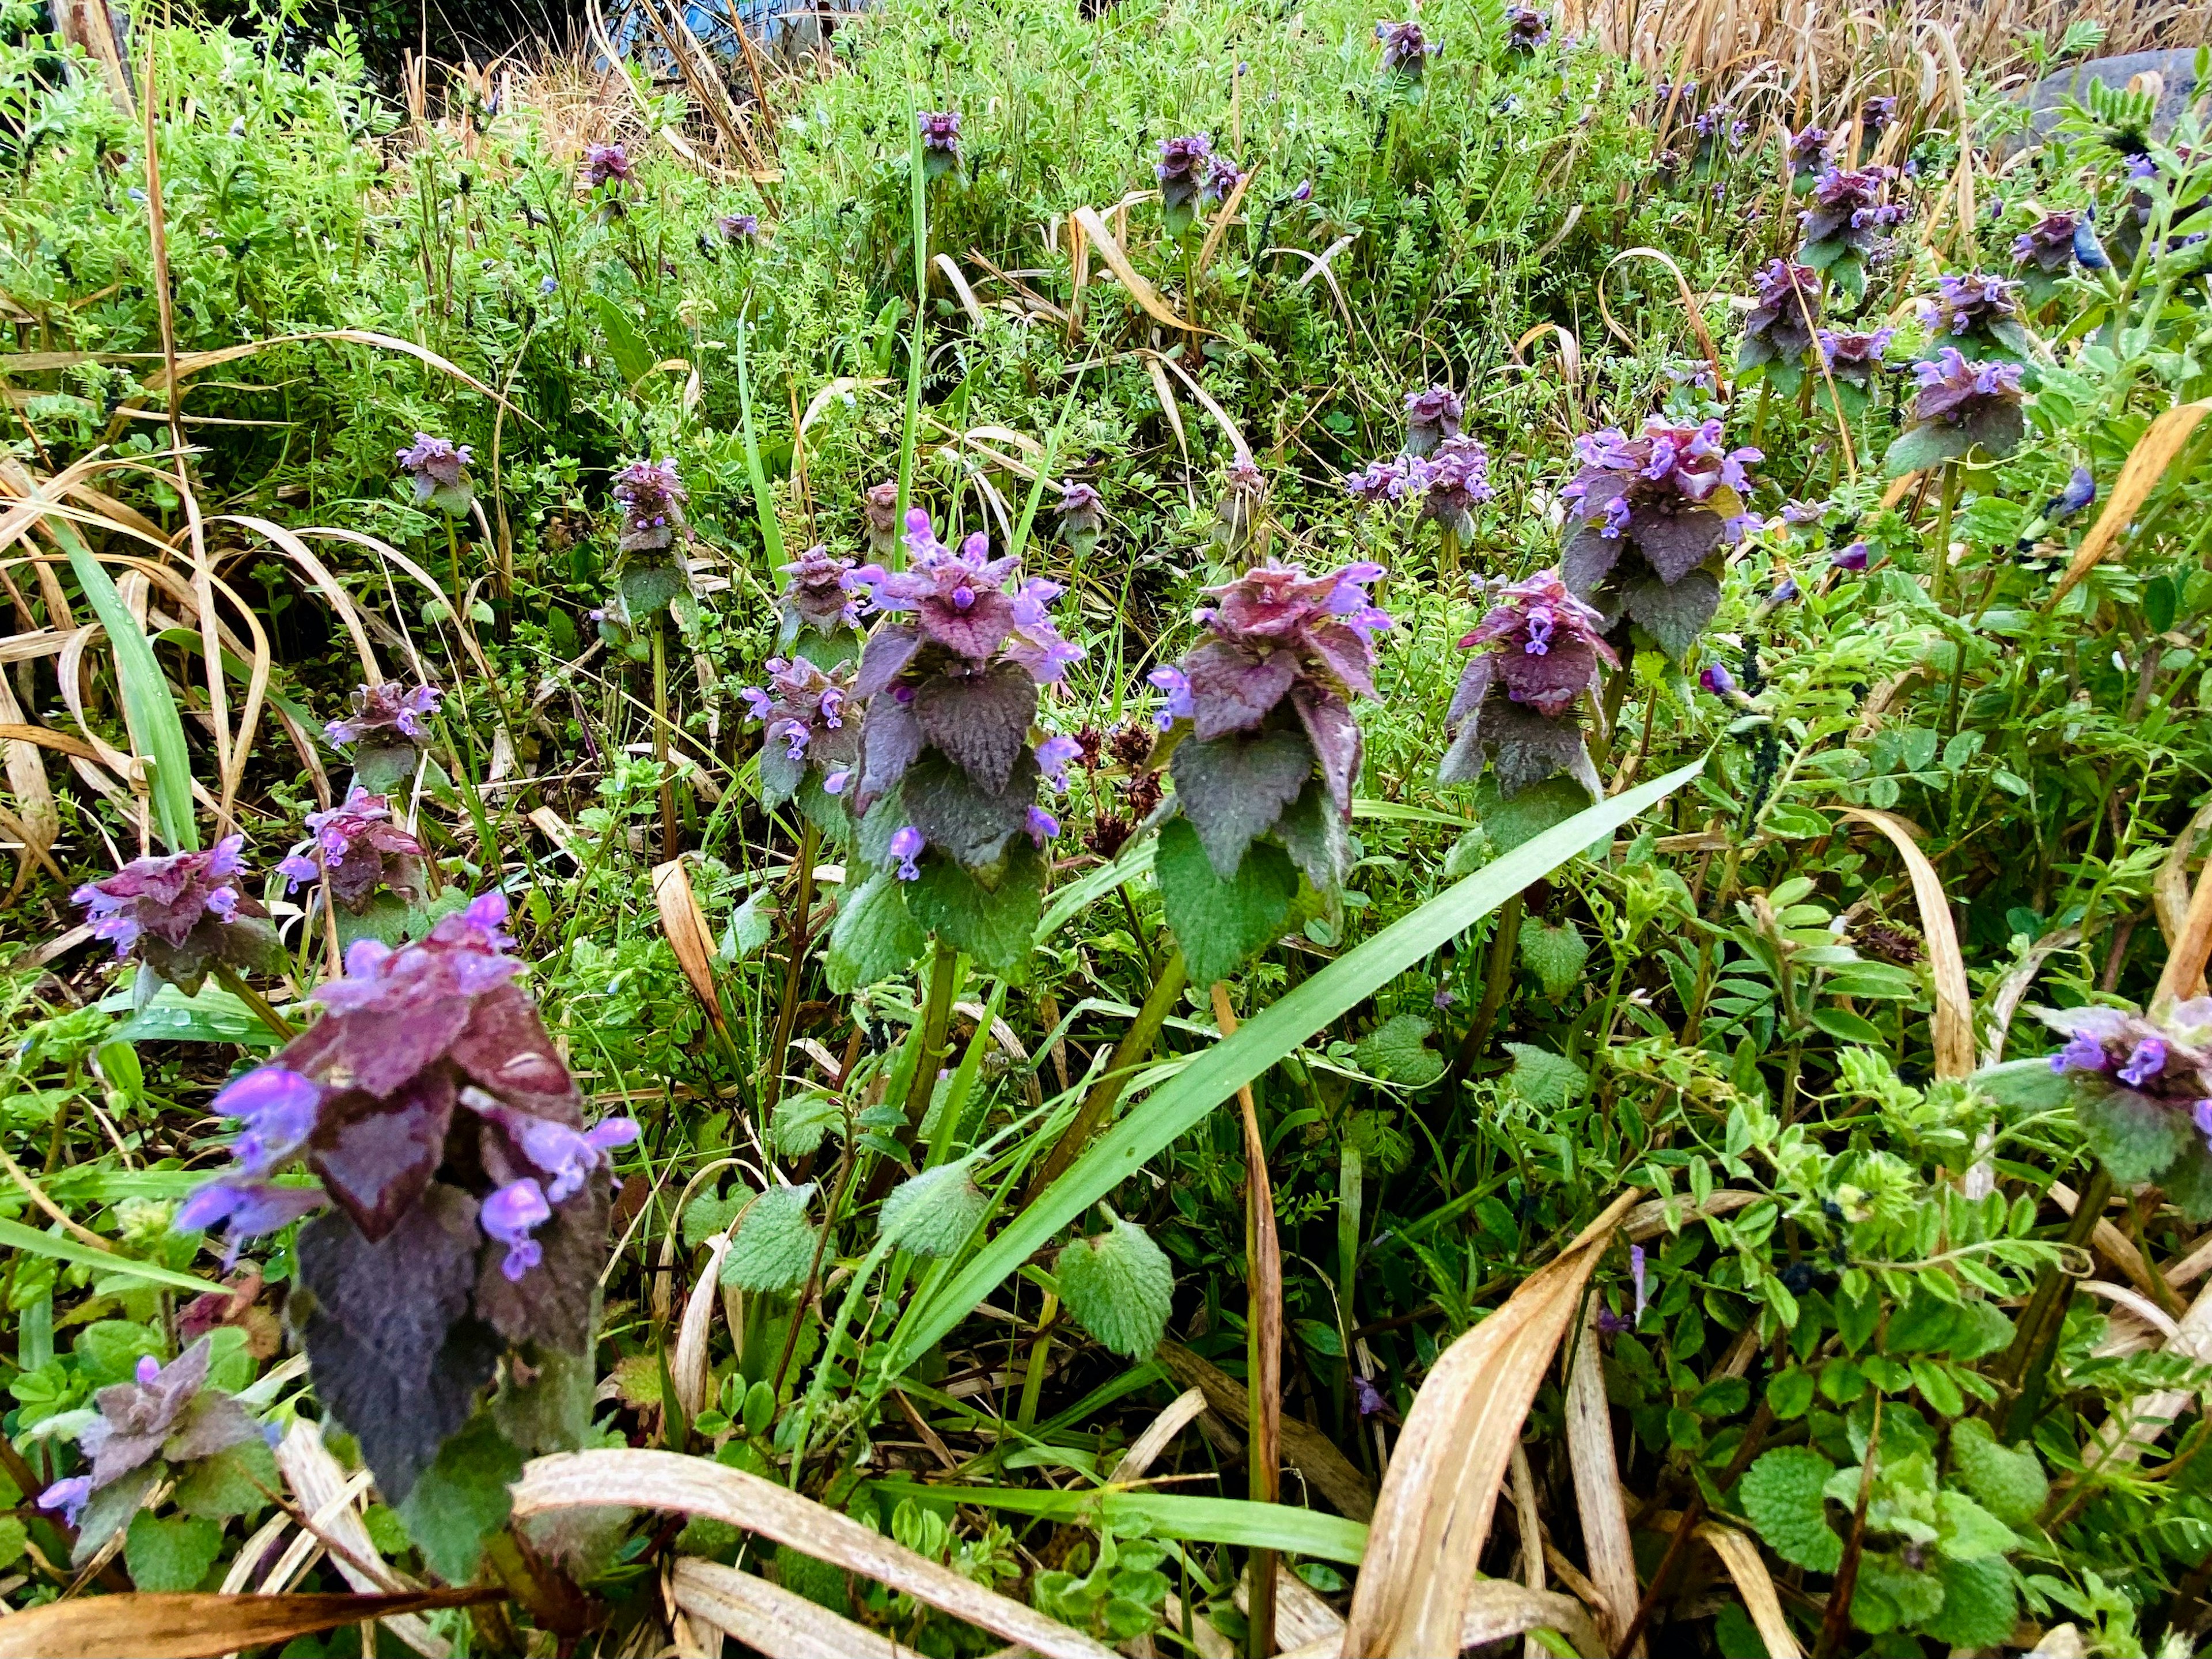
pixel 70 1497
pixel 1971 396
pixel 1853 355
pixel 440 473
pixel 277 1107
pixel 358 847
pixel 387 716
pixel 1382 481
pixel 1053 756
pixel 1538 649
pixel 906 847
pixel 2048 244
pixel 1406 50
pixel 178 916
pixel 2145 1061
pixel 1042 825
pixel 1178 706
pixel 879 508
pixel 1716 678
pixel 1610 1323
pixel 817 593
pixel 1432 417
pixel 1876 113
pixel 1803 512
pixel 1851 558
pixel 1970 304
pixel 1527 27
pixel 1785 593
pixel 1304 193
pixel 652 497
pixel 509 1216
pixel 2082 1053
pixel 738 226
pixel 803 708
pixel 1785 312
pixel 1848 211
pixel 1222 178
pixel 1810 149
pixel 246 1208
pixel 1635 1272
pixel 2081 490
pixel 1443 999
pixel 605 164
pixel 940 131
pixel 1182 168
pixel 1366 1398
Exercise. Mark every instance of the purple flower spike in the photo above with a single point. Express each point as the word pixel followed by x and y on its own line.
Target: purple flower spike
pixel 738 226
pixel 179 915
pixel 1538 650
pixel 1053 756
pixel 359 848
pixel 1848 212
pixel 1980 398
pixel 1810 149
pixel 1432 417
pixel 606 164
pixel 1366 1398
pixel 439 472
pixel 652 497
pixel 2048 244
pixel 1973 304
pixel 1785 317
pixel 387 715
pixel 1182 169
pixel 509 1216
pixel 804 710
pixel 940 131
pixel 2081 490
pixel 906 847
pixel 1179 706
pixel 1527 27
pixel 2145 1062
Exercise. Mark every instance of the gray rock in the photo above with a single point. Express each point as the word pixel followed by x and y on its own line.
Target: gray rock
pixel 2047 98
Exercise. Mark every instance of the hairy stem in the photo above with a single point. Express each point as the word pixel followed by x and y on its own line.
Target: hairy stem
pixel 786 1014
pixel 1136 1043
pixel 227 976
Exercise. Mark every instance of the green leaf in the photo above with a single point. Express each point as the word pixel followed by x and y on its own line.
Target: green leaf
pixel 213 1016
pixel 1781 1496
pixel 1513 822
pixel 1848 1027
pixel 109 1350
pixel 1544 1079
pixel 13 1535
pixel 1981 1603
pixel 800 1122
pixel 1982 1328
pixel 1119 1286
pixel 15 1235
pixel 1216 1072
pixel 1967 1530
pixel 1891 1595
pixel 993 922
pixel 1919 448
pixel 462 1498
pixel 232 1482
pixel 170 1555
pixel 1221 924
pixel 875 938
pixel 2136 1137
pixel 2009 1483
pixel 708 1214
pixel 1554 955
pixel 1164 1514
pixel 934 1213
pixel 1397 1051
pixel 773 1246
pixel 1790 1394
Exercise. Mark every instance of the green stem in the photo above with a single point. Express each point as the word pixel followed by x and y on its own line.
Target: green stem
pixel 1136 1043
pixel 795 931
pixel 1498 977
pixel 936 1015
pixel 227 976
pixel 660 734
pixel 919 208
pixel 1939 582
pixel 816 1389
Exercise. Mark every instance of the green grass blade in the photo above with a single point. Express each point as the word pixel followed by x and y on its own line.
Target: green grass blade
pixel 1163 1515
pixel 15 1235
pixel 1045 463
pixel 908 432
pixel 157 731
pixel 1217 1072
pixel 763 502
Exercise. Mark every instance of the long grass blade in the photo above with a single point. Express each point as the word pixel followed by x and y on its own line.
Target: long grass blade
pixel 763 500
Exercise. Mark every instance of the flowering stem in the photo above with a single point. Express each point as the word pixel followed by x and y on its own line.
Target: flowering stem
pixel 660 734
pixel 1948 498
pixel 795 931
pixel 936 1015
pixel 227 976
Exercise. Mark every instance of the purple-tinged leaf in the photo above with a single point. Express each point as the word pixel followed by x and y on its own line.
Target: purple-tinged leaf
pixel 1676 543
pixel 980 722
pixel 376 1153
pixel 1587 559
pixel 884 657
pixel 1233 788
pixel 505 1050
pixel 551 1304
pixel 1526 749
pixel 890 740
pixel 965 823
pixel 1232 690
pixel 1335 738
pixel 1473 686
pixel 1673 613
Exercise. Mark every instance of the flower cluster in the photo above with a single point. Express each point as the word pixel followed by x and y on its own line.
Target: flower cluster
pixel 1959 405
pixel 1779 329
pixel 165 1414
pixel 180 916
pixel 1432 417
pixel 1268 697
pixel 2142 1090
pixel 879 512
pixel 817 595
pixel 1182 168
pixel 440 474
pixel 470 1213
pixel 1876 113
pixel 1406 50
pixel 1853 356
pixel 1448 482
pixel 1845 223
pixel 606 164
pixel 1079 513
pixel 1538 650
pixel 940 141
pixel 1527 27
pixel 359 848
pixel 1648 515
pixel 807 727
pixel 652 498
pixel 951 698
pixel 387 716
pixel 1811 152
pixel 738 226
pixel 1982 309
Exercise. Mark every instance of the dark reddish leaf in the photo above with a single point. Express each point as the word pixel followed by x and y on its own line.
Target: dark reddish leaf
pixel 980 722
pixel 1233 788
pixel 1231 690
pixel 376 1154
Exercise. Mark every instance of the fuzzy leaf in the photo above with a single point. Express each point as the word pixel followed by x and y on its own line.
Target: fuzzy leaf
pixel 2135 1136
pixel 1234 788
pixel 1397 1051
pixel 1231 690
pixel 1544 1079
pixel 1554 955
pixel 1674 543
pixel 1673 614
pixel 1781 1496
pixel 376 1153
pixel 1981 1603
pixel 1119 1285
pixel 980 722
pixel 462 1498
pixel 170 1555
pixel 1312 832
pixel 993 921
pixel 875 938
pixel 396 1355
pixel 1334 734
pixel 225 1485
pixel 934 1213
pixel 1969 1531
pixel 1891 1595
pixel 2188 1182
pixel 958 817
pixel 1221 924
pixel 551 1304
pixel 2009 1483
pixel 1510 823
pixel 773 1245
pixel 708 1213
pixel 801 1121
pixel 890 742
pixel 1918 448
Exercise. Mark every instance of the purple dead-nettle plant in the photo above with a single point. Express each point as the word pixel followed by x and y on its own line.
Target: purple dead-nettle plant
pixel 1812 152
pixel 1647 518
pixel 182 917
pixel 879 512
pixel 359 848
pixel 940 142
pixel 1779 329
pixel 650 569
pixel 1538 651
pixel 388 730
pixel 1222 178
pixel 1876 113
pixel 606 164
pixel 439 472
pixel 469 1201
pixel 1978 311
pixel 948 745
pixel 159 1423
pixel 1080 512
pixel 818 596
pixel 2048 244
pixel 1406 50
pixel 2142 1093
pixel 1432 415
pixel 738 227
pixel 1240 512
pixel 1959 404
pixel 1528 28
pixel 1182 170
pixel 1853 356
pixel 811 730
pixel 1847 222
pixel 1272 747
